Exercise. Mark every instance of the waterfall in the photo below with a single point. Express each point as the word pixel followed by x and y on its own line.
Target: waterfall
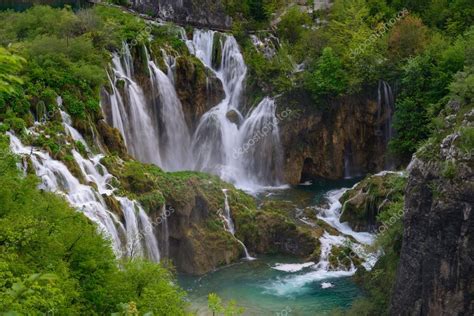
pixel 247 152
pixel 170 63
pixel 90 199
pixel 129 112
pixel 165 234
pixel 174 139
pixel 348 163
pixel 229 224
pixel 240 148
pixel 323 270
pixel 67 123
pixel 261 148
pixel 385 110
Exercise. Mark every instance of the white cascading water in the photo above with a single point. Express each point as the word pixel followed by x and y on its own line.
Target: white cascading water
pixel 245 151
pixel 240 152
pixel 229 224
pixel 131 239
pixel 129 112
pixel 174 137
pixel 304 274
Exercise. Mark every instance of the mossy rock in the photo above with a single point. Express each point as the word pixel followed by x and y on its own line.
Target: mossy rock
pixel 343 257
pixel 362 204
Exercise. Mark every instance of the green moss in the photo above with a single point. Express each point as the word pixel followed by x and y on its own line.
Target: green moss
pixel 449 169
pixel 371 196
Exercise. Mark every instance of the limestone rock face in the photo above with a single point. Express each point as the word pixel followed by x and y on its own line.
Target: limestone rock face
pixel 332 143
pixel 435 273
pixel 197 88
pixel 200 13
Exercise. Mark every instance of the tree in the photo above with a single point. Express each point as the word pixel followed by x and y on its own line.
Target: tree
pixel 10 66
pixel 407 38
pixel 292 25
pixel 328 77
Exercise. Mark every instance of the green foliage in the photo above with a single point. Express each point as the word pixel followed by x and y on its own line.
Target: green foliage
pixel 426 81
pixel 328 77
pixel 214 303
pixel 54 260
pixel 67 54
pixel 252 10
pixel 271 74
pixel 10 66
pixel 293 24
pixel 449 169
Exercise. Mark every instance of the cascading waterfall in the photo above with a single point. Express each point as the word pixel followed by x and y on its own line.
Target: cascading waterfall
pixel 133 238
pixel 174 139
pixel 303 275
pixel 263 161
pixel 229 224
pixel 129 112
pixel 242 152
pixel 170 63
pixel 245 151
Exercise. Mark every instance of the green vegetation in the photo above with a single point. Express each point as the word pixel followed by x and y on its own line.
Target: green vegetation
pixel 54 260
pixel 217 308
pixel 417 46
pixel 255 13
pixel 378 283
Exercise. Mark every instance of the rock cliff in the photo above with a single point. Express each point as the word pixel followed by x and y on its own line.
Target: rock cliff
pixel 343 140
pixel 436 270
pixel 200 13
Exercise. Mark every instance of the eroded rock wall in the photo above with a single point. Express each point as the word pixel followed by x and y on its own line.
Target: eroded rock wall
pixel 436 269
pixel 342 140
pixel 200 13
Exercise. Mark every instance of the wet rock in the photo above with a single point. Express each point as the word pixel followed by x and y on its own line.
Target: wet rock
pixel 362 204
pixel 434 275
pixel 316 141
pixel 234 117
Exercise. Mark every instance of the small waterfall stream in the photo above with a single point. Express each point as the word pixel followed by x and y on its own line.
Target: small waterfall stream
pixel 229 224
pixel 385 110
pixel 165 234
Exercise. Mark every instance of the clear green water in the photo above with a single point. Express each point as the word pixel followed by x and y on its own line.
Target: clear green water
pixel 251 284
pixel 262 290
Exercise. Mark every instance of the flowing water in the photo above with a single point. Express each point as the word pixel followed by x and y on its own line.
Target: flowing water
pixel 134 236
pixel 277 285
pixel 229 224
pixel 245 151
